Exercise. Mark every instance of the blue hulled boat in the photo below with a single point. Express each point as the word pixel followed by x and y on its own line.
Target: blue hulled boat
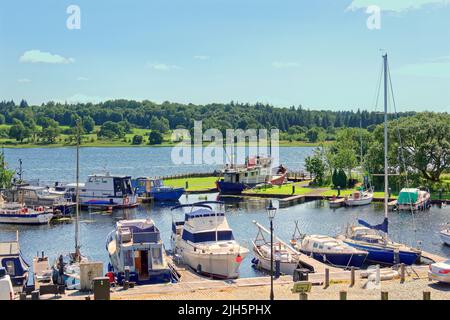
pixel 332 251
pixel 155 188
pixel 11 259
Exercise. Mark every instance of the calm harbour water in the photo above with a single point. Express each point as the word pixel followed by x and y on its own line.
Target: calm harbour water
pixel 313 217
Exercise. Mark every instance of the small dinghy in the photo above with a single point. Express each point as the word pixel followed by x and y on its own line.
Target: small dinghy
pixel 359 198
pixel 445 235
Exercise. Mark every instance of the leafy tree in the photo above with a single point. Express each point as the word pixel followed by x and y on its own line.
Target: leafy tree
pixel 315 134
pixel 18 131
pixel 6 175
pixel 111 130
pixel 137 139
pixel 159 124
pixel 155 137
pixel 316 166
pixel 88 124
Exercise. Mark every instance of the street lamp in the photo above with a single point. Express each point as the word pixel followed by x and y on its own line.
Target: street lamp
pixel 271 211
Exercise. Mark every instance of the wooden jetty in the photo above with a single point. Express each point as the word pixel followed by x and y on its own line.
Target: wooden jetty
pixel 336 202
pixel 41 271
pixel 291 201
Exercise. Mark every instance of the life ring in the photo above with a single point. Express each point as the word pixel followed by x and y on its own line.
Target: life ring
pixel 126 200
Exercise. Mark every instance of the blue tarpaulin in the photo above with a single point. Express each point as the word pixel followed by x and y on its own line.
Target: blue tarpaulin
pixel 382 226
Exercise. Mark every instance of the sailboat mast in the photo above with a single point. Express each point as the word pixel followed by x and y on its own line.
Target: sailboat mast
pixel 386 179
pixel 77 195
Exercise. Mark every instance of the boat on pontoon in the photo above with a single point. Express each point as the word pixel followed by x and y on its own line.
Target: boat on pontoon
pixel 288 257
pixel 137 245
pixel 205 242
pixel 17 213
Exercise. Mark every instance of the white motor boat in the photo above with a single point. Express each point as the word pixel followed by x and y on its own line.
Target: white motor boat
pixel 445 236
pixel 359 198
pixel 105 190
pixel 137 245
pixel 205 242
pixel 17 213
pixel 287 256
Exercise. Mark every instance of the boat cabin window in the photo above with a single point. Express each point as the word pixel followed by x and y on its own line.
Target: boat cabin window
pixel 10 268
pixel 315 245
pixel 156 256
pixel 128 258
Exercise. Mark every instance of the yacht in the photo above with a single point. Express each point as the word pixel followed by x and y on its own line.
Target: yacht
pixel 380 247
pixel 137 245
pixel 331 251
pixel 413 199
pixel 155 189
pixel 205 241
pixel 359 198
pixel 108 190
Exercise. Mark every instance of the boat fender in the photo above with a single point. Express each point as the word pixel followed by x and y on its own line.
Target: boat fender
pixel 199 268
pixel 324 258
pixel 126 200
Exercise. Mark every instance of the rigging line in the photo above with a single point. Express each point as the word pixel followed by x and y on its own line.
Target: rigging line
pixel 402 159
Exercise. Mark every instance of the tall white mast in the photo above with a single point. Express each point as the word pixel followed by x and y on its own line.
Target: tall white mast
pixel 386 179
pixel 77 194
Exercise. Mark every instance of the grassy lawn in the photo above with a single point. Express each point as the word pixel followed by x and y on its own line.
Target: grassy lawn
pixel 195 184
pixel 284 189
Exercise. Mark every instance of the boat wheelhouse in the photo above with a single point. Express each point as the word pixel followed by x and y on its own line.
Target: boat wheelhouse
pixel 256 170
pixel 413 199
pixel 12 260
pixel 155 189
pixel 105 190
pixel 136 245
pixel 205 241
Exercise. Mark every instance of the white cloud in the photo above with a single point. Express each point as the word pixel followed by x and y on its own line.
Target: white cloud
pixel 82 79
pixel 395 5
pixel 162 66
pixel 437 67
pixel 200 57
pixel 281 64
pixel 24 80
pixel 82 98
pixel 37 56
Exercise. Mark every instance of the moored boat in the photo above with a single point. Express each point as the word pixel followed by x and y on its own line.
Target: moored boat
pixel 16 213
pixel 205 241
pixel 413 199
pixel 137 245
pixel 155 189
pixel 445 236
pixel 331 251
pixel 105 190
pixel 287 257
pixel 359 198
pixel 12 260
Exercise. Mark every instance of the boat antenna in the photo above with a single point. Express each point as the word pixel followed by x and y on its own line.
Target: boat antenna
pixel 386 179
pixel 77 195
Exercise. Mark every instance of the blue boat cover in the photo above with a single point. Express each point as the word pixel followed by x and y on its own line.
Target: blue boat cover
pixel 382 226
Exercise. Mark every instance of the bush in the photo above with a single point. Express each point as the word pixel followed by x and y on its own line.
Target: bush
pixel 137 139
pixel 155 137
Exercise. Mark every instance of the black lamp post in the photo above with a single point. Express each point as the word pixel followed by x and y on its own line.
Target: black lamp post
pixel 271 211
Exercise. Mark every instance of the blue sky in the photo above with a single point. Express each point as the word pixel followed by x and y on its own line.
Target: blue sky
pixel 288 52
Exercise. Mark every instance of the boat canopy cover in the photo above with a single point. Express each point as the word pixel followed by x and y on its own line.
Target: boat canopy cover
pixel 138 225
pixel 382 226
pixel 408 196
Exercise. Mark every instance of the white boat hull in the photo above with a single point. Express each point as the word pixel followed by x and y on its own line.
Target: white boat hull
pixel 42 218
pixel 286 268
pixel 358 202
pixel 445 237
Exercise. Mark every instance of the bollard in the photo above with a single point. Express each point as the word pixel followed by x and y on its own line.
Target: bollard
pixel 327 278
pixel 126 285
pixel 384 295
pixel 35 295
pixel 352 276
pixel 402 273
pixel 342 295
pixel 377 276
pixel 339 190
pixel 23 296
pixel 426 295
pixel 187 185
pixel 293 189
pixel 303 296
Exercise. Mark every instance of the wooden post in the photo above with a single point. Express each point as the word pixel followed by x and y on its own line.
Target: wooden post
pixel 402 273
pixel 303 296
pixel 327 278
pixel 342 295
pixel 352 276
pixel 187 184
pixel 384 295
pixel 426 295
